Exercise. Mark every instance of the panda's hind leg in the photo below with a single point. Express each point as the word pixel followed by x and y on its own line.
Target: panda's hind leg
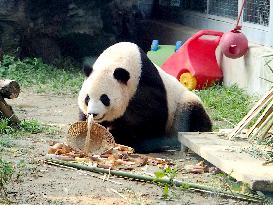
pixel 192 117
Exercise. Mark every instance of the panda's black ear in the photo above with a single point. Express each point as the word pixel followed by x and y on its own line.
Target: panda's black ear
pixel 87 69
pixel 121 75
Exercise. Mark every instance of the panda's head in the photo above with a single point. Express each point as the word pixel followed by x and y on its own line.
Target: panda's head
pixel 111 82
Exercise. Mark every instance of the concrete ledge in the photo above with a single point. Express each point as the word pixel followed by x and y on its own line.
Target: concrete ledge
pixel 228 156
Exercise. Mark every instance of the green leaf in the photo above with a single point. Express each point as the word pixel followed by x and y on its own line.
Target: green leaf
pixel 159 174
pixel 165 191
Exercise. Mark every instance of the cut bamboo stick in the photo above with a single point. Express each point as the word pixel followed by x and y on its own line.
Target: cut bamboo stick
pixel 268 110
pixel 265 127
pixel 261 104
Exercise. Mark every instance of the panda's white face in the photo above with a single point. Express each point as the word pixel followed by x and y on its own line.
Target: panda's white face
pixel 111 83
pixel 105 98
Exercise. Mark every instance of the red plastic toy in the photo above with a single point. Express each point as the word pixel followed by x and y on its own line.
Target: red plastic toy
pixel 195 64
pixel 234 44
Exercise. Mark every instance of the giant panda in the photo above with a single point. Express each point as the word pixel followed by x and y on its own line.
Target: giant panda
pixel 141 105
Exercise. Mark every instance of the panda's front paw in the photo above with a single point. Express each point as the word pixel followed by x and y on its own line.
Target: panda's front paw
pixel 82 116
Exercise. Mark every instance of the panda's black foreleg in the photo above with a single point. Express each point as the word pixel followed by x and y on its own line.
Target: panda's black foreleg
pixel 82 116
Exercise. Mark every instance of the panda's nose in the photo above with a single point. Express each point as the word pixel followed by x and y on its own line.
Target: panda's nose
pixel 94 114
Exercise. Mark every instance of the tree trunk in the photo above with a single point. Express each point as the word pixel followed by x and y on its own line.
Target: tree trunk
pixel 8 89
pixel 7 111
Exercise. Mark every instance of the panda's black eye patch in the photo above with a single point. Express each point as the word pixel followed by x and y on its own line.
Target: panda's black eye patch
pixel 86 100
pixel 105 100
pixel 121 75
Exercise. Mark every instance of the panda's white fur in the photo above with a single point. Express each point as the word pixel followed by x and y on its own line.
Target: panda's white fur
pixel 177 94
pixel 128 56
pixel 119 55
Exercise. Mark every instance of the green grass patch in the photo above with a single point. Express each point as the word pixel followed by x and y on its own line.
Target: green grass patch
pixel 9 132
pixel 6 172
pixel 33 127
pixel 5 142
pixel 25 127
pixel 33 73
pixel 5 128
pixel 226 105
pixel 10 172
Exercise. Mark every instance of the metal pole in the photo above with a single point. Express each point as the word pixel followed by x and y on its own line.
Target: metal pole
pixel 237 27
pixel 208 3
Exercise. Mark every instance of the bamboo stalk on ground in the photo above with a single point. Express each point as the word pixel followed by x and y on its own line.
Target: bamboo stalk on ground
pixel 177 183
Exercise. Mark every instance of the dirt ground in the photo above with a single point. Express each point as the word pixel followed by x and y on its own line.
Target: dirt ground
pixel 44 184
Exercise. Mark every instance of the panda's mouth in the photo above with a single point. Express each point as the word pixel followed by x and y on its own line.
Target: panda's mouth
pixel 98 119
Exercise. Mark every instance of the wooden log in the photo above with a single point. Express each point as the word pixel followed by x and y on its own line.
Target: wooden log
pixel 9 89
pixel 6 111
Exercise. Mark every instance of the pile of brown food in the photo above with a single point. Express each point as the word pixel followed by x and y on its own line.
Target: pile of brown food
pixel 103 151
pixel 118 157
